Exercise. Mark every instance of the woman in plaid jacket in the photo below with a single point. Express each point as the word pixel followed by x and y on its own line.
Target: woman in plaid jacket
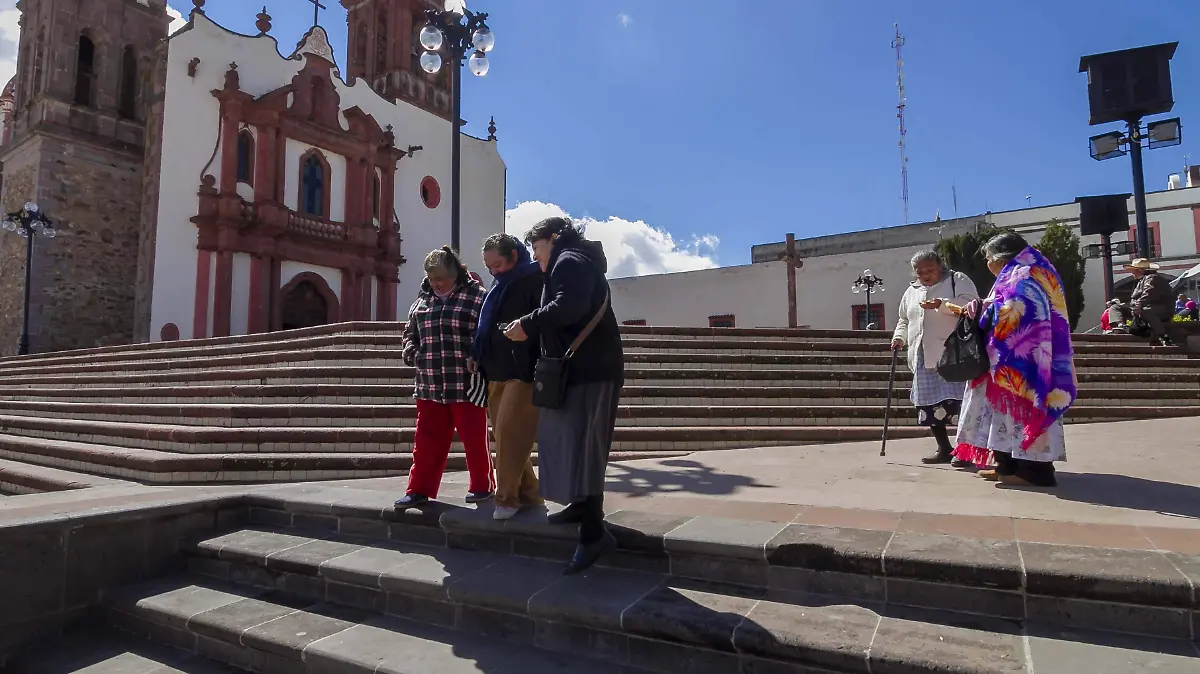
pixel 437 342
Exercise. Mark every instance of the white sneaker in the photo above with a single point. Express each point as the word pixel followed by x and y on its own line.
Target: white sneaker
pixel 504 513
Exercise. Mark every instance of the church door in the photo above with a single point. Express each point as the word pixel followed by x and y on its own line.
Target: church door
pixel 303 307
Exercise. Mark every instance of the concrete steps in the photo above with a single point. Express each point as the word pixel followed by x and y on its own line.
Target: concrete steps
pixel 335 402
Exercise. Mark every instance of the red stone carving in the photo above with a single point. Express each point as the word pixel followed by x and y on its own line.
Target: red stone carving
pixel 431 192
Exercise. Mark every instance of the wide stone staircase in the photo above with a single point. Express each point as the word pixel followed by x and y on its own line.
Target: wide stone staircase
pixel 323 580
pixel 335 401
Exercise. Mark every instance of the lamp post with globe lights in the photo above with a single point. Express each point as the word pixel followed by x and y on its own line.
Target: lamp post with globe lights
pixel 869 283
pixel 28 223
pixel 455 31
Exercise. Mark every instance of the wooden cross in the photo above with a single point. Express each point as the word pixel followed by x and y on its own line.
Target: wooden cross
pixel 317 7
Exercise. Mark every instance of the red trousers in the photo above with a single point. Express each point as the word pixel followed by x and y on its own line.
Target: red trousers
pixel 436 423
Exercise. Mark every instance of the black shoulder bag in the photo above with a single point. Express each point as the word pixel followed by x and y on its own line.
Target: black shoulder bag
pixel 965 356
pixel 550 374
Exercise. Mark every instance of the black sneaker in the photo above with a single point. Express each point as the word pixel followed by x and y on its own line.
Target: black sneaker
pixel 478 496
pixel 411 501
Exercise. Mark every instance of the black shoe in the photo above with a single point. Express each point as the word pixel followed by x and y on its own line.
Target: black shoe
pixel 961 463
pixel 941 456
pixel 478 496
pixel 411 501
pixel 586 555
pixel 569 515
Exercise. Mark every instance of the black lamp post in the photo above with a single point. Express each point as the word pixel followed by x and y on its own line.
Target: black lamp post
pixel 456 31
pixel 28 223
pixel 1126 86
pixel 869 283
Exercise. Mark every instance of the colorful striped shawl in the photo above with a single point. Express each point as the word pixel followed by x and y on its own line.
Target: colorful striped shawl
pixel 1032 374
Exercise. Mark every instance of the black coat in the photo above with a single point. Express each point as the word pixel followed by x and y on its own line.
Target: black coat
pixel 507 360
pixel 575 289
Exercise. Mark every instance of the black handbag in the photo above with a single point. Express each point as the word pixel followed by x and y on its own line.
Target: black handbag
pixel 550 374
pixel 965 357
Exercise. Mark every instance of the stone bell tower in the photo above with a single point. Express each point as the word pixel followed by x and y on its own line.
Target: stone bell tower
pixel 384 50
pixel 76 148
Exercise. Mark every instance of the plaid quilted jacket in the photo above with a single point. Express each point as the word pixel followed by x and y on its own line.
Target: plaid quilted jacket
pixel 437 341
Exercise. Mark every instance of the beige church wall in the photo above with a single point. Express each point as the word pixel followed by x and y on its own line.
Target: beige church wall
pixel 190 140
pixel 239 305
pixel 293 151
pixel 756 294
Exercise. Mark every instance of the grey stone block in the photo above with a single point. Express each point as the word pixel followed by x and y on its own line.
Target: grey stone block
pixel 814 634
pixel 310 588
pixel 102 556
pixel 270 517
pixel 1174 623
pixel 908 647
pixel 1132 576
pixel 307 558
pixel 430 574
pixel 355 596
pixel 944 596
pixel 661 656
pixel 507 585
pixel 32 566
pixel 363 527
pixel 832 583
pixel 1063 649
pixel 675 612
pixel 235 618
pixel 479 542
pixel 829 549
pixel 289 635
pixel 312 522
pixel 581 641
pixel 251 546
pixel 721 537
pixel 415 534
pixel 496 624
pixel 954 559
pixel 736 571
pixel 543 548
pixel 595 599
pixel 640 531
pixel 422 609
pixel 364 566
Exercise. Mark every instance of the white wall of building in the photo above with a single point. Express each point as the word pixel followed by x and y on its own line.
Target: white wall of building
pixel 756 294
pixel 239 309
pixel 190 148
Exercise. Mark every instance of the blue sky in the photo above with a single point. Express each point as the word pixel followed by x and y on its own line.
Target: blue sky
pixel 743 121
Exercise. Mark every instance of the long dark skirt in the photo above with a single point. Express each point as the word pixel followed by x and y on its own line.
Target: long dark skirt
pixel 574 442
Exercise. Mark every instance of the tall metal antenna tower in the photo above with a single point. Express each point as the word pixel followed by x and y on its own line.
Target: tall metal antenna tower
pixel 898 45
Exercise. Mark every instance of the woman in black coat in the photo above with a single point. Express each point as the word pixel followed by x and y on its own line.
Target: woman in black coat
pixel 575 437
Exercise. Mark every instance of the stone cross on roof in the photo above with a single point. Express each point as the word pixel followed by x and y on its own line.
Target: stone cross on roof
pixel 317 7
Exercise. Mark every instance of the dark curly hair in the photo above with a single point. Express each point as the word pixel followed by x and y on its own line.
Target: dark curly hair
pixel 504 244
pixel 446 259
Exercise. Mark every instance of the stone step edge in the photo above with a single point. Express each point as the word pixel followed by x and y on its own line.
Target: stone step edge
pixel 396 327
pixel 37 478
pixel 193 613
pixel 810 558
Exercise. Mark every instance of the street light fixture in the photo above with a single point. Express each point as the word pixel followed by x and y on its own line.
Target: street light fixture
pixel 455 31
pixel 28 223
pixel 868 283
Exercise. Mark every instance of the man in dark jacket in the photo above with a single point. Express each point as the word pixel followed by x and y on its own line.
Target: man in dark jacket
pixel 1152 300
pixel 575 432
pixel 508 368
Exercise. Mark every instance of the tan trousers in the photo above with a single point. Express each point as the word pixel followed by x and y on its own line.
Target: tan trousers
pixel 514 424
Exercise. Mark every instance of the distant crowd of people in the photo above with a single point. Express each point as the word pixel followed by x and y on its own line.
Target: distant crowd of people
pixel 540 355
pixel 1149 312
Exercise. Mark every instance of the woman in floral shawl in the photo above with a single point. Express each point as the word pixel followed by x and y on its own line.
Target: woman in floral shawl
pixel 1014 413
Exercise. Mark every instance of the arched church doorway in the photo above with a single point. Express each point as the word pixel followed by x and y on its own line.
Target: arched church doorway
pixel 304 307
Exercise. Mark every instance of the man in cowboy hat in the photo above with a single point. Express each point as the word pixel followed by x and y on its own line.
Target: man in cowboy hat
pixel 1152 299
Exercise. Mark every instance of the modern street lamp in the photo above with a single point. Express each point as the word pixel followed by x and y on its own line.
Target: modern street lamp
pixel 29 223
pixel 456 31
pixel 1126 86
pixel 869 283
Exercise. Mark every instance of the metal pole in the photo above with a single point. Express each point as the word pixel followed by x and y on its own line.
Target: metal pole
pixel 1139 188
pixel 868 311
pixel 455 168
pixel 791 279
pixel 1106 243
pixel 23 343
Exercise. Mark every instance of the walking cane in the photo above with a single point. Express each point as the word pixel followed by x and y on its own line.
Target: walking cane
pixel 887 411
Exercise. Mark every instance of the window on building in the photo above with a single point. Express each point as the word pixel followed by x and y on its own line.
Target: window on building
pixel 85 71
pixel 127 104
pixel 722 321
pixel 864 317
pixel 634 321
pixel 376 191
pixel 245 157
pixel 312 185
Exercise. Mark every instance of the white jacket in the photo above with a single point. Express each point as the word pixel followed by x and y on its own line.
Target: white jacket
pixel 928 330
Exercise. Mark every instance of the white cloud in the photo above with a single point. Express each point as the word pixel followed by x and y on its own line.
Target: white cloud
pixel 633 248
pixel 624 19
pixel 177 20
pixel 10 39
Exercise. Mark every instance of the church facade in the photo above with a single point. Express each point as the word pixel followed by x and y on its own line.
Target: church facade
pixel 266 192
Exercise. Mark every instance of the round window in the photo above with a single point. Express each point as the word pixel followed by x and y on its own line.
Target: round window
pixel 431 192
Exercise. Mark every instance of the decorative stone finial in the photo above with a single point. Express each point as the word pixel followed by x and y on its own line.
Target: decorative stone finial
pixel 389 137
pixel 264 22
pixel 492 129
pixel 199 5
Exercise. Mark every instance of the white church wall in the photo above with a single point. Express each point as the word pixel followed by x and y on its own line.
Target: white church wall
pixel 756 294
pixel 289 270
pixel 483 213
pixel 824 294
pixel 190 132
pixel 239 306
pixel 293 151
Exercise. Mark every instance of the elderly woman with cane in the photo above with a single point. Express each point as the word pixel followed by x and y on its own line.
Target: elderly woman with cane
pixel 924 323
